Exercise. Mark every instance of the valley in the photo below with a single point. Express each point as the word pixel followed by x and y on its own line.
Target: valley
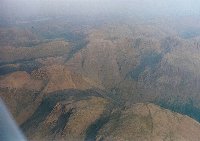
pixel 126 81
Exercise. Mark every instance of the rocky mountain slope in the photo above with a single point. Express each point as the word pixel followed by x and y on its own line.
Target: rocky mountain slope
pixel 76 82
pixel 143 64
pixel 88 116
pixel 147 122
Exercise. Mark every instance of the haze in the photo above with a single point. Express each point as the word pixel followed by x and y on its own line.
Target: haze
pixel 12 9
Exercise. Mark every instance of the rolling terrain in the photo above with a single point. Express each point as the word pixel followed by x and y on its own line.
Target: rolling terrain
pixel 139 81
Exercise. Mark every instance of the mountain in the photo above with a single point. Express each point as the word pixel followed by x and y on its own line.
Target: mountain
pixel 144 64
pixel 28 89
pixel 147 122
pixel 89 116
pixel 111 81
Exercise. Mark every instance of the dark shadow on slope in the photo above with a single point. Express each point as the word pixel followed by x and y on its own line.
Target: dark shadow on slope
pixel 7 69
pixel 112 112
pixel 29 66
pixel 49 102
pixel 40 114
pixel 77 46
pixel 149 60
pixel 62 120
pixel 186 109
pixel 93 129
pixel 24 65
pixel 189 33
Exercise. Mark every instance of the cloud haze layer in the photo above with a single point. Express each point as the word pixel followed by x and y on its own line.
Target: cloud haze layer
pixel 131 8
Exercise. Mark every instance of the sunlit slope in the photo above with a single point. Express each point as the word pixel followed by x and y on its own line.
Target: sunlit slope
pixel 88 116
pixel 143 63
pixel 146 122
pixel 59 84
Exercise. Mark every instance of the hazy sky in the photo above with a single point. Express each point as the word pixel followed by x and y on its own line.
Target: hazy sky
pixel 21 8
